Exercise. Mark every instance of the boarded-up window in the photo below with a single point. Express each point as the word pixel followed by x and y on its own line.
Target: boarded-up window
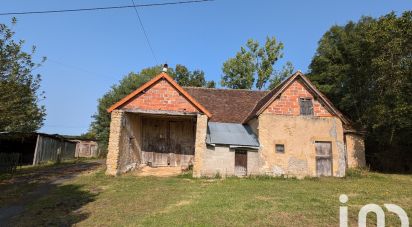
pixel 306 106
pixel 323 158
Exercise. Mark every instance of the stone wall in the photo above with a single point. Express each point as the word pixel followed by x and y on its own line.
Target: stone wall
pixel 200 144
pixel 298 134
pixel 124 150
pixel 115 142
pixel 355 148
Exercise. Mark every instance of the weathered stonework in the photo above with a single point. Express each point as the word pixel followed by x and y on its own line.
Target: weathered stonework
pixel 280 123
pixel 115 142
pixel 298 134
pixel 200 144
pixel 355 149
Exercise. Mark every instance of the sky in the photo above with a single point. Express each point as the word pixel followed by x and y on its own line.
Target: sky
pixel 88 52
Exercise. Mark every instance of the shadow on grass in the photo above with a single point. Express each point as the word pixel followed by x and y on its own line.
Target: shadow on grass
pixel 61 207
pixel 40 197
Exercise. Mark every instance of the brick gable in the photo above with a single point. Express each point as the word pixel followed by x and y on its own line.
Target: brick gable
pixel 160 96
pixel 288 102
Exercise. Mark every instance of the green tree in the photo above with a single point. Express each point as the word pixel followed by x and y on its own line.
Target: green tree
pixel 365 67
pixel 238 72
pixel 287 70
pixel 187 78
pixel 252 64
pixel 19 87
pixel 101 120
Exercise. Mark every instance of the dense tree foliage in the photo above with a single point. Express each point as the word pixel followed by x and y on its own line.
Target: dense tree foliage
pixel 254 66
pixel 19 88
pixel 195 78
pixel 365 67
pixel 101 123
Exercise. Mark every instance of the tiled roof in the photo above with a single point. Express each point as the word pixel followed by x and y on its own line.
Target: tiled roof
pixel 226 105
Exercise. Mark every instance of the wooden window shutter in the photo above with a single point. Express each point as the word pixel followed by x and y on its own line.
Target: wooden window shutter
pixel 306 106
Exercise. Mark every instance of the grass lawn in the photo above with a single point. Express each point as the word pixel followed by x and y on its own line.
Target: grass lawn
pixel 94 199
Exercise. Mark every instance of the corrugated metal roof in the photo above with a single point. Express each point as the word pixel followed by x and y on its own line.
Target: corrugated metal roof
pixel 231 134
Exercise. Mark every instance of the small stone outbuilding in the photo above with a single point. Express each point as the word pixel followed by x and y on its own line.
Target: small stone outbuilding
pixel 291 130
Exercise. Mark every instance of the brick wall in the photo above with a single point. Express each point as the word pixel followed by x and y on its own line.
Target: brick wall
pixel 161 96
pixel 288 103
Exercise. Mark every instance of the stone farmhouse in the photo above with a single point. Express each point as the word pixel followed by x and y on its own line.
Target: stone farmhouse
pixel 292 130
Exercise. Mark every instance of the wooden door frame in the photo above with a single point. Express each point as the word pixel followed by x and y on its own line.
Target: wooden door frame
pixel 243 152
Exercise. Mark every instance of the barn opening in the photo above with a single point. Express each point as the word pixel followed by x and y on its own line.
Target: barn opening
pixel 168 141
pixel 158 140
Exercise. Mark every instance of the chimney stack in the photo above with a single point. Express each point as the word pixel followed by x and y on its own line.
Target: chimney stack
pixel 165 67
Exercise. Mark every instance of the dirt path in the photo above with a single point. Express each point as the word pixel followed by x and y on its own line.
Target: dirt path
pixel 45 180
pixel 158 171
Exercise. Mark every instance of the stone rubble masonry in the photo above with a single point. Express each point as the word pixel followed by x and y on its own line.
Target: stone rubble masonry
pixel 288 103
pixel 200 144
pixel 161 96
pixel 115 140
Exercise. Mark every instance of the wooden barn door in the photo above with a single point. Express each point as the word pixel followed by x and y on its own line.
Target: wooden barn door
pixel 182 141
pixel 240 163
pixel 155 141
pixel 168 142
pixel 323 158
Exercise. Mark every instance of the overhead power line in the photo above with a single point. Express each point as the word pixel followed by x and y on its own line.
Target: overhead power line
pixel 104 8
pixel 144 31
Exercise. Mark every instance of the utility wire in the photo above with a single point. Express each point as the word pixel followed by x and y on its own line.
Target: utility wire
pixel 144 31
pixel 104 8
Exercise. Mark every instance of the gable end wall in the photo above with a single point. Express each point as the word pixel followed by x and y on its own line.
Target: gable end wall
pixel 288 102
pixel 161 96
pixel 281 123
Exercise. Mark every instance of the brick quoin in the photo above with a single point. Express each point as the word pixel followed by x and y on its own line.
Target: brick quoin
pixel 288 103
pixel 161 96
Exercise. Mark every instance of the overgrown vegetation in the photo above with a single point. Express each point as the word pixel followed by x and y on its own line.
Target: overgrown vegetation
pixel 97 200
pixel 365 68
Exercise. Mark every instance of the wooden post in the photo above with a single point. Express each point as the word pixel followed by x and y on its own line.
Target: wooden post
pixel 36 150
